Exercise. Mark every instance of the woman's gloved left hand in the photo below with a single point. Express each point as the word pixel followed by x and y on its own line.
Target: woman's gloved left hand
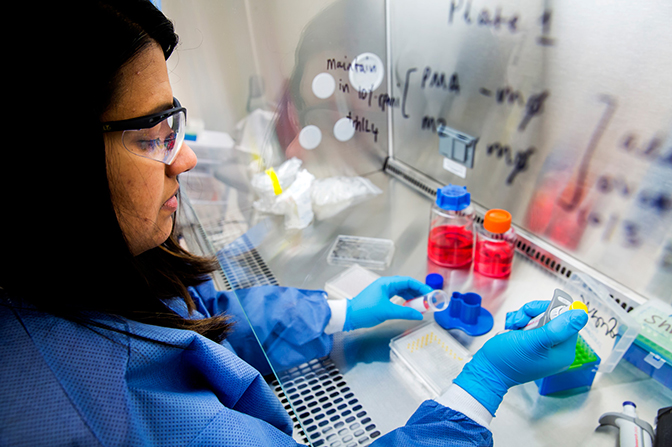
pixel 518 356
pixel 373 306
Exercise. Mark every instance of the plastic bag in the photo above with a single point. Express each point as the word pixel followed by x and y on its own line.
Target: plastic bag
pixel 295 200
pixel 332 195
pixel 263 184
pixel 304 198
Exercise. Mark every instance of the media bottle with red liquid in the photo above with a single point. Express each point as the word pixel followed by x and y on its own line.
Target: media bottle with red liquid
pixel 451 228
pixel 495 245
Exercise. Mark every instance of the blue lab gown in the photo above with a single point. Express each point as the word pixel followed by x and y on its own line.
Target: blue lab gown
pixel 65 384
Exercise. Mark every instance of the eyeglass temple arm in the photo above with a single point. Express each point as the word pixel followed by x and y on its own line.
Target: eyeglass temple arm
pixel 144 122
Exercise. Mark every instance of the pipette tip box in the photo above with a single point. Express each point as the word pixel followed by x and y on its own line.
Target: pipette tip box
pixel 652 349
pixel 430 355
pixel 580 373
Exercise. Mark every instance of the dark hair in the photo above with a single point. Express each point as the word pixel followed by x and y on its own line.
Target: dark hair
pixel 64 251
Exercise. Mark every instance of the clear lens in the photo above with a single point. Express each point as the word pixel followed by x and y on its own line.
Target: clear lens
pixel 161 142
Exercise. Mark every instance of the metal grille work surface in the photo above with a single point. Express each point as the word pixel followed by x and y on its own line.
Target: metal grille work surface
pixel 327 410
pixel 243 266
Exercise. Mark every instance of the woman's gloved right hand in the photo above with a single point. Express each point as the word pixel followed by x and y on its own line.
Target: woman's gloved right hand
pixel 373 306
pixel 517 357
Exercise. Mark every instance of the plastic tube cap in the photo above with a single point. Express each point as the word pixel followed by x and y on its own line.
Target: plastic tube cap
pixel 578 305
pixel 435 281
pixel 497 221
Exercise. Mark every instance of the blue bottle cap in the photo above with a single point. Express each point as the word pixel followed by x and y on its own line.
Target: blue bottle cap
pixel 453 198
pixel 435 281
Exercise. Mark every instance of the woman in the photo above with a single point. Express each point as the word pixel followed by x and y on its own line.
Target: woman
pixel 117 338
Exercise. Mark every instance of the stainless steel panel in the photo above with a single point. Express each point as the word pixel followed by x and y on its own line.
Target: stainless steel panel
pixel 570 102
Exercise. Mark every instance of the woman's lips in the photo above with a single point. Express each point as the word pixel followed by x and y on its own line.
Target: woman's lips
pixel 171 204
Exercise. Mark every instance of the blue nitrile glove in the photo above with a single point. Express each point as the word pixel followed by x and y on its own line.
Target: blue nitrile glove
pixel 520 318
pixel 373 306
pixel 517 357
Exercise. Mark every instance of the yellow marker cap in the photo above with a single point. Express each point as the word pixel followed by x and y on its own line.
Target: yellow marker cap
pixel 277 189
pixel 578 305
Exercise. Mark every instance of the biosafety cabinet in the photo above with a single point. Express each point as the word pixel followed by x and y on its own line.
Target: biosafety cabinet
pixel 319 119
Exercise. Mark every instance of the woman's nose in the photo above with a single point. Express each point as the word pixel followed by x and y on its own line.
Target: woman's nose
pixel 185 161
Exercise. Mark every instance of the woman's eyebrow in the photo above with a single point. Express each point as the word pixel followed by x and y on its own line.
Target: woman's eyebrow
pixel 162 108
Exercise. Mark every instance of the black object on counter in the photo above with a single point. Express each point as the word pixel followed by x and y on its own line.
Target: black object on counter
pixel 663 428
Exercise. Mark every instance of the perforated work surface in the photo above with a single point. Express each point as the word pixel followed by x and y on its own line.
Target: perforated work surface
pixel 243 266
pixel 327 409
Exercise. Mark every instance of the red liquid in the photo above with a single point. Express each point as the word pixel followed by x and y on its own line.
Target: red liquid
pixel 493 258
pixel 450 246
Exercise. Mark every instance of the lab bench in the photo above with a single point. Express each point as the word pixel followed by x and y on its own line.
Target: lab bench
pixel 375 394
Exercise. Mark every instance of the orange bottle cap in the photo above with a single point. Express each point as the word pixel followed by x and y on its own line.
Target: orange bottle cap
pixel 497 221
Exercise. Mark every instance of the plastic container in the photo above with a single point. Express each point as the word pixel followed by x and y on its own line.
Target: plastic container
pixel 349 283
pixel 652 349
pixel 610 330
pixel 436 301
pixel 654 365
pixel 580 373
pixel 495 245
pixel 368 252
pixel 451 228
pixel 429 357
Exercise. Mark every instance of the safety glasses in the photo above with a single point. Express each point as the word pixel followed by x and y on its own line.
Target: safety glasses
pixel 158 136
